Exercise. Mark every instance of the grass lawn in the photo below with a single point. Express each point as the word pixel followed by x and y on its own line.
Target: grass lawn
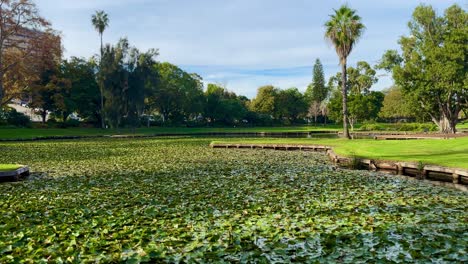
pixel 444 152
pixel 463 126
pixel 176 200
pixel 8 167
pixel 25 133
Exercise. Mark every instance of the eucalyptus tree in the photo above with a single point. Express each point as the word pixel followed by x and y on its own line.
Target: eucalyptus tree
pixel 343 30
pixel 100 21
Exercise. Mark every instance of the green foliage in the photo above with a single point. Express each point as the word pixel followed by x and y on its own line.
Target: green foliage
pixel 372 126
pixel 363 104
pixel 317 91
pixel 224 107
pixel 84 95
pixel 9 116
pixel 416 127
pixel 125 73
pixel 100 21
pixel 170 201
pixel 432 67
pixel 290 105
pixel 286 106
pixel 264 102
pixel 343 30
pixel 177 95
pixel 396 106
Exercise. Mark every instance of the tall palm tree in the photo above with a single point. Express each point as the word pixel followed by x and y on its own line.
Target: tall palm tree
pixel 343 30
pixel 100 22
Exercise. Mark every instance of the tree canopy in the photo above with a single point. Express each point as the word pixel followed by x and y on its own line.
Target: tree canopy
pixel 432 68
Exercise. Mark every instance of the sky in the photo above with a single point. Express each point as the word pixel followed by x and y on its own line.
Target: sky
pixel 241 44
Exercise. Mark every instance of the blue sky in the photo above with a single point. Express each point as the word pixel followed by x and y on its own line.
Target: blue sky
pixel 241 44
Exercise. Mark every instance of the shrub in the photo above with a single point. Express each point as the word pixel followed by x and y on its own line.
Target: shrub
pixel 14 118
pixel 371 126
pixel 420 127
pixel 72 123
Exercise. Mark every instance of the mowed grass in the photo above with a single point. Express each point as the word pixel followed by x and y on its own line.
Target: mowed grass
pixel 176 200
pixel 463 126
pixel 28 133
pixel 9 167
pixel 444 152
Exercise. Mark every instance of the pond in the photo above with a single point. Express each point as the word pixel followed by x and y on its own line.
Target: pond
pixel 178 200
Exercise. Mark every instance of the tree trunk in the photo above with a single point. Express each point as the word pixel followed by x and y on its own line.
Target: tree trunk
pixel 345 100
pixel 44 116
pixel 446 125
pixel 1 75
pixel 65 116
pixel 102 91
pixel 1 89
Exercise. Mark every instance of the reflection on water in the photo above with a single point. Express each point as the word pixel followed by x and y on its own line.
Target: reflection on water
pixel 276 135
pixel 290 135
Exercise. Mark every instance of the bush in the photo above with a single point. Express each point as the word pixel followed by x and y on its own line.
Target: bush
pixel 371 126
pixel 419 127
pixel 14 118
pixel 72 123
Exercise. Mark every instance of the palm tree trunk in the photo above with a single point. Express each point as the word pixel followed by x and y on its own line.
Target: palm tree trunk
pixel 345 101
pixel 102 92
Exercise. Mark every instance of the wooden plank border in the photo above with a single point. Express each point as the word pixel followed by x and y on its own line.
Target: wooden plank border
pixel 422 171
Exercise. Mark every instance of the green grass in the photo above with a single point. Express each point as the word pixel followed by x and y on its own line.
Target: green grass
pixel 444 152
pixel 9 167
pixel 463 126
pixel 27 133
pixel 177 200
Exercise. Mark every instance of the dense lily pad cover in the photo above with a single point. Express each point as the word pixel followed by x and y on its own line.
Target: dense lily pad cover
pixel 177 200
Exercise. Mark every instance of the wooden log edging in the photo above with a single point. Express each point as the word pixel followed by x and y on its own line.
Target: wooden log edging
pixel 15 174
pixel 422 171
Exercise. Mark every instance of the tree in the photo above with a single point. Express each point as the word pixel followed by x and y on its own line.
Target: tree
pixel 126 75
pixel 20 27
pixel 363 104
pixel 178 94
pixel 432 69
pixel 361 78
pixel 100 21
pixel 343 30
pixel 290 105
pixel 84 95
pixel 315 109
pixel 223 106
pixel 317 91
pixel 44 62
pixel 395 105
pixel 140 75
pixel 264 102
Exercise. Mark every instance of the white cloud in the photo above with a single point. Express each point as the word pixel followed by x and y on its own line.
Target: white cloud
pixel 225 36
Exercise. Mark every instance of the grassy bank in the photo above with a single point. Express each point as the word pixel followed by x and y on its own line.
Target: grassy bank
pixel 26 133
pixel 444 152
pixel 179 201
